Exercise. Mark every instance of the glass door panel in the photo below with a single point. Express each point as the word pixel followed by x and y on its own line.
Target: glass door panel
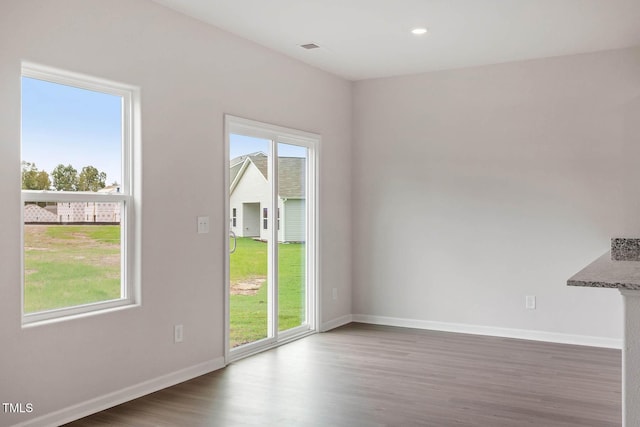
pixel 292 236
pixel 250 207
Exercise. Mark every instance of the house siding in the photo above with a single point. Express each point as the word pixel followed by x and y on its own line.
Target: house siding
pixel 251 188
pixel 295 225
pixel 250 196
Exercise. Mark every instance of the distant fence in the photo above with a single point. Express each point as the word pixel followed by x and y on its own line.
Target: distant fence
pixel 70 223
pixel 73 213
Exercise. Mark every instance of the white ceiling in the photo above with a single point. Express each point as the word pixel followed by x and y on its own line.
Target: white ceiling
pixel 361 39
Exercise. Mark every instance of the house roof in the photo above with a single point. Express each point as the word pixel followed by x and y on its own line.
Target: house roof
pixel 291 173
pixel 110 189
pixel 262 163
pixel 237 163
pixel 234 171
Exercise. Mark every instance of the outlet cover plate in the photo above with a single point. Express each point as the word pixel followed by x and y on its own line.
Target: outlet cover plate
pixel 203 224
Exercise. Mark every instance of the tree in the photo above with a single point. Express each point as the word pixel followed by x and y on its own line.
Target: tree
pixel 65 178
pixel 43 182
pixel 91 179
pixel 33 179
pixel 29 172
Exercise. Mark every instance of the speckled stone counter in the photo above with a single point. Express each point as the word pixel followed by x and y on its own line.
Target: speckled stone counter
pixel 607 273
pixel 625 249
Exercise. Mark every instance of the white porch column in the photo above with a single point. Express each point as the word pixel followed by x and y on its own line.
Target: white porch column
pixel 631 359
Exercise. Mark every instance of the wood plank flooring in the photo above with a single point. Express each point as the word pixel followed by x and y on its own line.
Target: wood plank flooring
pixel 366 375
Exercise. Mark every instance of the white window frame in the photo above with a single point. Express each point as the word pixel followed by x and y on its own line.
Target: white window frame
pixel 128 196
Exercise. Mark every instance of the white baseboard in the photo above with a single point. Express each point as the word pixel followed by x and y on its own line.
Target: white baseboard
pixel 109 400
pixel 491 331
pixel 337 322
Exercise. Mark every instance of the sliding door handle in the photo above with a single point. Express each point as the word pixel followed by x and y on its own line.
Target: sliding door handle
pixel 235 242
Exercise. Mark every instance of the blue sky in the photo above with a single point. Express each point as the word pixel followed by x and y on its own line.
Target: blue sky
pixel 68 125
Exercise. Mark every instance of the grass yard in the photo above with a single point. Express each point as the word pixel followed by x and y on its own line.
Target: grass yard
pixel 68 265
pixel 248 306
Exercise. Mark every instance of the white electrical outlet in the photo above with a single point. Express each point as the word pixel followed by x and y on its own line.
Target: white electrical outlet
pixel 203 224
pixel 177 333
pixel 530 302
pixel 334 293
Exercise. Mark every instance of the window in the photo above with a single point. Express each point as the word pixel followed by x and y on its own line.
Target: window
pixel 265 218
pixel 80 242
pixel 233 218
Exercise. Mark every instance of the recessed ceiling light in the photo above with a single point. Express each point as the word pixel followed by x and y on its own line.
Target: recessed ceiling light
pixel 309 46
pixel 419 31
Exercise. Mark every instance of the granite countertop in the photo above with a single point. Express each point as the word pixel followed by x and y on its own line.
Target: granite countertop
pixel 606 273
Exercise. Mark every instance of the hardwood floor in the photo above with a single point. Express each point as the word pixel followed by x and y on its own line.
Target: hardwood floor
pixel 366 375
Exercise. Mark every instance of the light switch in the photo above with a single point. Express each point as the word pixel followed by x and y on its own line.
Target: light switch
pixel 203 224
pixel 530 302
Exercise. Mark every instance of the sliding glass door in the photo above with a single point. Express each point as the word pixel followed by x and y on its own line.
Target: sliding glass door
pixel 270 215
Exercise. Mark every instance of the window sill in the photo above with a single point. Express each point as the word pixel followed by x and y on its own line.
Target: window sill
pixel 30 321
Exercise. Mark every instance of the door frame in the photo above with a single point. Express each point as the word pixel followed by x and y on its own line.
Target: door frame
pixel 312 141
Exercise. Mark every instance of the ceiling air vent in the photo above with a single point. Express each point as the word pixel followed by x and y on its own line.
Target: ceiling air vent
pixel 309 46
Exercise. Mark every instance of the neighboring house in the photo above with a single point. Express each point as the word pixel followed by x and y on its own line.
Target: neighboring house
pixel 249 198
pixel 35 213
pixel 65 212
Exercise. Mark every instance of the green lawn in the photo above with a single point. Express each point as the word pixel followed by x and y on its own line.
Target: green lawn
pixel 249 309
pixel 67 265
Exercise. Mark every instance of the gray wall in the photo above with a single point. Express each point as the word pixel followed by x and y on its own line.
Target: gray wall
pixel 473 188
pixel 190 75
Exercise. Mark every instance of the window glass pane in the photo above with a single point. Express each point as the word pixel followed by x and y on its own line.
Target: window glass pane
pixel 70 263
pixel 265 220
pixel 79 129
